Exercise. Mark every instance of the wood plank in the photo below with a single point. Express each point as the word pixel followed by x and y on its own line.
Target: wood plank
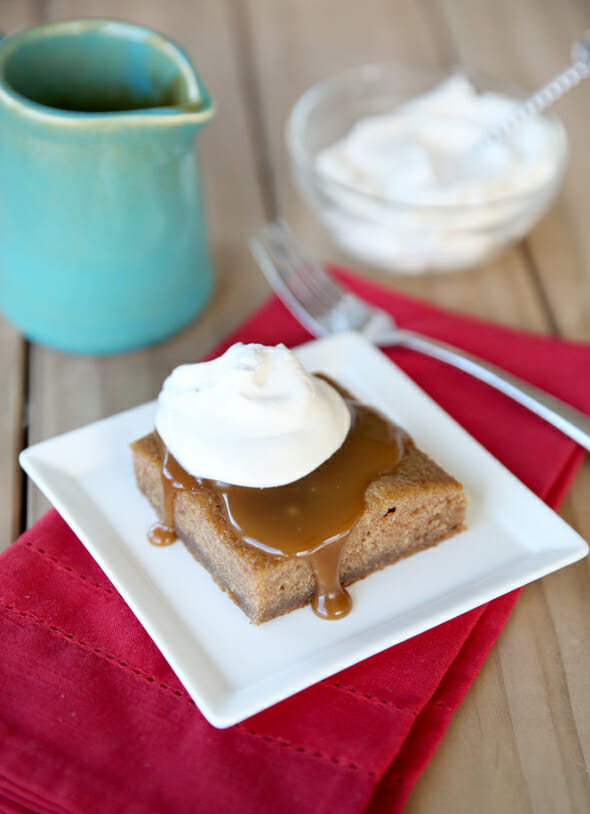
pixel 13 17
pixel 530 700
pixel 24 14
pixel 560 245
pixel 518 741
pixel 69 391
pixel 298 44
pixel 12 430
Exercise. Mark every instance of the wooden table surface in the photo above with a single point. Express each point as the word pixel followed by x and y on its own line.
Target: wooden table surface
pixel 520 742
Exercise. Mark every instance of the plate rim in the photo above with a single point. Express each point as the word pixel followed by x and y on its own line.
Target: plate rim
pixel 224 714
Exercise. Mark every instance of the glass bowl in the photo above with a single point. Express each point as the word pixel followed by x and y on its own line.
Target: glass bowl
pixel 400 235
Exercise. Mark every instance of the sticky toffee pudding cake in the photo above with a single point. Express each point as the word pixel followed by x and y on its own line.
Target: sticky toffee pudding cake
pixel 376 499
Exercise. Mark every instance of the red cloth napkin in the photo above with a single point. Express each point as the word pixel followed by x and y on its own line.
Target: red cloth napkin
pixel 92 719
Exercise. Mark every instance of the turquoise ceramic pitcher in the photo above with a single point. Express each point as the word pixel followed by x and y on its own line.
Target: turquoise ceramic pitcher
pixel 102 235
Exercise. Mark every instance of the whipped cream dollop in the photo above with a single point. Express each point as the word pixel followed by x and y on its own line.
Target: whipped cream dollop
pixel 252 417
pixel 432 202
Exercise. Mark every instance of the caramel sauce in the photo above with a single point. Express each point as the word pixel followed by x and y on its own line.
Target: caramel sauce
pixel 309 518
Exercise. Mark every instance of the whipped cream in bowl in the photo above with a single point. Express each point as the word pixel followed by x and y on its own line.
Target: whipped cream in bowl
pixel 251 417
pixel 384 156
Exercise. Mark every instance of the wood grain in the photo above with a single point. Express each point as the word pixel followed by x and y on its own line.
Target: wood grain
pixel 12 429
pixel 14 356
pixel 520 742
pixel 293 48
pixel 532 48
pixel 544 653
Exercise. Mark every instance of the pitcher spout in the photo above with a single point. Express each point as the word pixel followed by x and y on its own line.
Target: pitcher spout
pixel 192 115
pixel 192 110
pixel 185 99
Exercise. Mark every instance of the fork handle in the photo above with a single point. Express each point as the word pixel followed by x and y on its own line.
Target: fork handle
pixel 570 421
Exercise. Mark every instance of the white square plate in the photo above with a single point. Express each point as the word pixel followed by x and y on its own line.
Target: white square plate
pixel 233 669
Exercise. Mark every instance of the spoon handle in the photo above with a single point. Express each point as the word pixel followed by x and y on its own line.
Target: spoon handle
pixel 540 100
pixel 571 422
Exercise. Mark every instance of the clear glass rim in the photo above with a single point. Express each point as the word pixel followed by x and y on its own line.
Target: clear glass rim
pixel 303 161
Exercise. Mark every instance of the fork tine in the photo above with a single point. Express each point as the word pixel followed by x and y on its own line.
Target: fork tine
pixel 298 279
pixel 277 271
pixel 319 303
pixel 309 270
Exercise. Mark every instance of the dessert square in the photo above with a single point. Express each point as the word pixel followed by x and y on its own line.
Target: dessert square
pixel 415 505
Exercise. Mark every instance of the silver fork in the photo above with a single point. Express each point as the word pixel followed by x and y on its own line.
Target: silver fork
pixel 324 307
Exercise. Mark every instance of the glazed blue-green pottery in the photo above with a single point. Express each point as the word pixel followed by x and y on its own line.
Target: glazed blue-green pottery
pixel 102 232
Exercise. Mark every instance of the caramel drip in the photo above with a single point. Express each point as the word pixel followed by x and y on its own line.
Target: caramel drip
pixel 330 600
pixel 174 479
pixel 309 518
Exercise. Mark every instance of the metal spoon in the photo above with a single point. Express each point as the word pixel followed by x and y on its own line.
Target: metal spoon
pixel 450 168
pixel 547 95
